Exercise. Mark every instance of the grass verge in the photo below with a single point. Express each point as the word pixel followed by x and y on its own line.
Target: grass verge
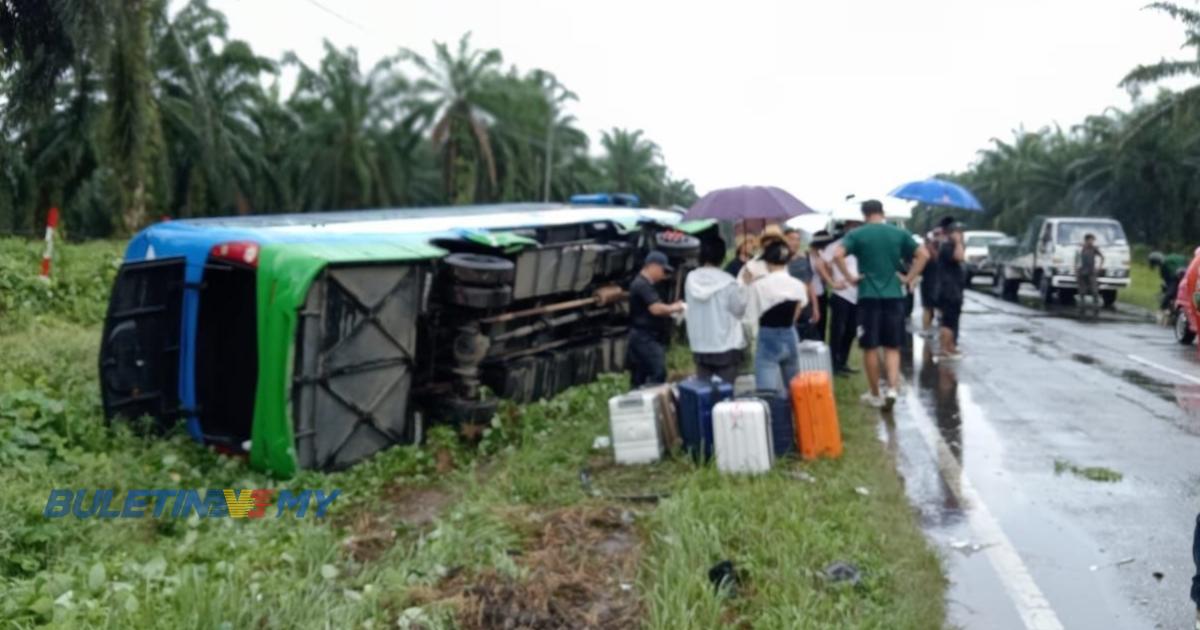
pixel 1143 288
pixel 528 525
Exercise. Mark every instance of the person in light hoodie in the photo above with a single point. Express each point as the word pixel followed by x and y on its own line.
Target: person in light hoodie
pixel 716 303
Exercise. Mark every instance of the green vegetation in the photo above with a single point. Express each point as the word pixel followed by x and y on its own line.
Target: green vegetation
pixel 119 111
pixel 1144 286
pixel 451 534
pixel 1137 166
pixel 1091 473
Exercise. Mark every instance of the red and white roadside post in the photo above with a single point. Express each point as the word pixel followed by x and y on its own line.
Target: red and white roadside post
pixel 51 225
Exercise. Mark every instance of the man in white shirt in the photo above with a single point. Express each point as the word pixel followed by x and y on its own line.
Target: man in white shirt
pixel 843 305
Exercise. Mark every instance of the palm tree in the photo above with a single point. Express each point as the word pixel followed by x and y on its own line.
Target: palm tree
pixel 631 163
pixel 1147 74
pixel 344 155
pixel 208 98
pixel 455 87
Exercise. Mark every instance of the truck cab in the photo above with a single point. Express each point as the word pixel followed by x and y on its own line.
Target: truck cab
pixel 1047 256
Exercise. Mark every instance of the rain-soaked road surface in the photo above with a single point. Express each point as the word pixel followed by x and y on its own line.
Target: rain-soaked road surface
pixel 977 442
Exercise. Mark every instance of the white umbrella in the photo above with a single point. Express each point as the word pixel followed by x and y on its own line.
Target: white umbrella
pixel 810 223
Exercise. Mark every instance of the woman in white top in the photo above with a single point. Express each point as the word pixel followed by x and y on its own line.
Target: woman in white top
pixel 776 301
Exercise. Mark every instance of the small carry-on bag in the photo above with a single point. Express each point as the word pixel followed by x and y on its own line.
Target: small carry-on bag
pixel 742 436
pixel 817 430
pixel 783 429
pixel 815 357
pixel 668 420
pixel 696 400
pixel 634 420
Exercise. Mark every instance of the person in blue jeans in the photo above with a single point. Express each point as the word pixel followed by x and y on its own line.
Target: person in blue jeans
pixel 777 299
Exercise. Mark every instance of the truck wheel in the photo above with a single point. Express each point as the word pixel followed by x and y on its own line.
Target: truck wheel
pixel 1047 291
pixel 1183 330
pixel 479 297
pixel 1066 297
pixel 480 269
pixel 677 244
pixel 1109 297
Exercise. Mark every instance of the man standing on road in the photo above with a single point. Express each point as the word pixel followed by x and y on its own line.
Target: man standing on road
pixel 951 283
pixel 649 323
pixel 1085 275
pixel 843 305
pixel 881 249
pixel 929 280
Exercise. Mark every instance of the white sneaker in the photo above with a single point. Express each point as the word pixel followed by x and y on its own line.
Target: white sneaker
pixel 889 398
pixel 871 400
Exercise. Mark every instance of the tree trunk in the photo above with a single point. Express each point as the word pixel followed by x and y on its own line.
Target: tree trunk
pixel 132 114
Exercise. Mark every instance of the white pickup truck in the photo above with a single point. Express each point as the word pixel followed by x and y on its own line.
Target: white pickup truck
pixel 1046 257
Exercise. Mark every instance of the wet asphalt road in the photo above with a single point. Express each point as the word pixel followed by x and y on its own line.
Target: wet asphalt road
pixel 977 442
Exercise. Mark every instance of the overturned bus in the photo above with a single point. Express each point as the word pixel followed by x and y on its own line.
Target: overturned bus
pixel 316 340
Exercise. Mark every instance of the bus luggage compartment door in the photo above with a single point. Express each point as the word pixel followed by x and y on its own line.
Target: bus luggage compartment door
pixel 139 349
pixel 356 343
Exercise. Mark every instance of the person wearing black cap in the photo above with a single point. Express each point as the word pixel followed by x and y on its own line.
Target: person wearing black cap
pixel 951 284
pixel 649 323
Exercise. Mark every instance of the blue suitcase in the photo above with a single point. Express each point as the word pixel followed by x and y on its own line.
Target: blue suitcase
pixel 696 401
pixel 783 430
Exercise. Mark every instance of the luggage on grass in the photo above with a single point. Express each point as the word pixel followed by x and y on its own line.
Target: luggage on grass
pixel 783 430
pixel 634 421
pixel 817 431
pixel 815 357
pixel 668 419
pixel 696 400
pixel 742 436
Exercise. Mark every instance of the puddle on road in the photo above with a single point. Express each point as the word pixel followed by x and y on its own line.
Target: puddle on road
pixel 1165 391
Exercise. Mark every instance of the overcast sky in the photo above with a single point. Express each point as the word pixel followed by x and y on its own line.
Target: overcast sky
pixel 824 98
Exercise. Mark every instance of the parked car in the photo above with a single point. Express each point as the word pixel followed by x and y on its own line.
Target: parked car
pixel 316 340
pixel 1046 256
pixel 975 244
pixel 1185 317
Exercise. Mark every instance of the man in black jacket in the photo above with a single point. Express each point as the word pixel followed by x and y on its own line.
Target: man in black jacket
pixel 649 323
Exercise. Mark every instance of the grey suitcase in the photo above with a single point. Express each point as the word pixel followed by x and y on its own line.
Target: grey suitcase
pixel 814 357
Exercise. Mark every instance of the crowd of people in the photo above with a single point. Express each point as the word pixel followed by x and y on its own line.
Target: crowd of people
pixel 849 285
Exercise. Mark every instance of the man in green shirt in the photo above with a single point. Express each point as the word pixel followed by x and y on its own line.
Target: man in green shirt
pixel 1169 268
pixel 881 250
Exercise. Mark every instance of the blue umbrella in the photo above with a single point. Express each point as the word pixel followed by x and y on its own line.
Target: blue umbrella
pixel 938 192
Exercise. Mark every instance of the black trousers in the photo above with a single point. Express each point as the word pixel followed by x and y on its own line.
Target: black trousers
pixel 843 327
pixel 805 329
pixel 646 359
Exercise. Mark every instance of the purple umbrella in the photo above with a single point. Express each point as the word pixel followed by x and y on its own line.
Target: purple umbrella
pixel 748 202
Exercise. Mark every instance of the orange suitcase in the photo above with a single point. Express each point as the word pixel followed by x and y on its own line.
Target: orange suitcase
pixel 815 415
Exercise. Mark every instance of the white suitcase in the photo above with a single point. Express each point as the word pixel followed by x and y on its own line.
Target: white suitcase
pixel 742 436
pixel 814 357
pixel 633 419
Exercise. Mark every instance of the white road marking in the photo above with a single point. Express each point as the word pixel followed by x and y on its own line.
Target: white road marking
pixel 1163 368
pixel 1032 606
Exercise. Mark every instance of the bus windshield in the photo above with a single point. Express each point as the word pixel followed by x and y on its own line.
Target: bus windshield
pixel 1106 232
